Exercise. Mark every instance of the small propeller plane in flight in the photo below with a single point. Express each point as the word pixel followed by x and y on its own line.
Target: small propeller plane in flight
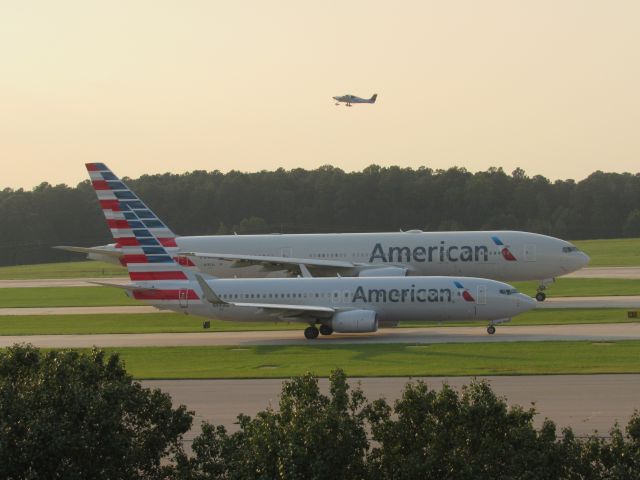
pixel 349 99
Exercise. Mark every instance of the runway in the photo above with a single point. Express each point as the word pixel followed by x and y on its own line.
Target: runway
pixel 537 333
pixel 583 402
pixel 606 272
pixel 589 272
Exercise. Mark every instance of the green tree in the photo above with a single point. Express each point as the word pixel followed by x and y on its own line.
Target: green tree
pixel 311 436
pixel 467 435
pixel 72 415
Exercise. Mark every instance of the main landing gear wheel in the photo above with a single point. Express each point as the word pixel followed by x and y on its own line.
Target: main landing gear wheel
pixel 541 296
pixel 310 333
pixel 491 329
pixel 326 330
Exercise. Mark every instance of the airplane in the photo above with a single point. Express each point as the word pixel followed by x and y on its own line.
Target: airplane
pixel 337 304
pixel 349 99
pixel 498 255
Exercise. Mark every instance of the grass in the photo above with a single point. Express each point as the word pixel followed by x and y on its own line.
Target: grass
pixel 177 323
pixel 64 297
pixel 518 358
pixel 623 252
pixel 84 269
pixel 584 287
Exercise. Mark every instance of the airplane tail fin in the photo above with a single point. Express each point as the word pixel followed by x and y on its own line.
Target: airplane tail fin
pixel 147 244
pixel 373 98
pixel 119 203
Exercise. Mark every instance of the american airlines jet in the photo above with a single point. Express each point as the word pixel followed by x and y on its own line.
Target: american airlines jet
pixel 343 305
pixel 497 255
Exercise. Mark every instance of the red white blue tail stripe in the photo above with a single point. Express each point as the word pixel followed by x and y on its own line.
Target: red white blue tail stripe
pixel 148 245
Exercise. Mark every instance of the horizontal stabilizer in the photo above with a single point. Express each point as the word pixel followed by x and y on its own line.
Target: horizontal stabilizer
pixel 89 250
pixel 124 286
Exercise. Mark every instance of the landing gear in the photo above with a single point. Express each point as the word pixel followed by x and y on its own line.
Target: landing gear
pixel 326 330
pixel 311 333
pixel 491 329
pixel 540 295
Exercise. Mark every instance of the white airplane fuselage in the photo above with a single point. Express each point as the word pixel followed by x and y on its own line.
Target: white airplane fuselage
pixel 529 256
pixel 393 299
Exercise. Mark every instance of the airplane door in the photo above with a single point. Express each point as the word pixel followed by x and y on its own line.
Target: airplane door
pixel 529 253
pixel 286 252
pixel 183 298
pixel 481 297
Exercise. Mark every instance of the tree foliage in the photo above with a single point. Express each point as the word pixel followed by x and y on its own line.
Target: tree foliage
pixel 65 414
pixel 327 199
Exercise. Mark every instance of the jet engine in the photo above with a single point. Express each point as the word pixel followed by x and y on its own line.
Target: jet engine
pixel 355 321
pixel 383 272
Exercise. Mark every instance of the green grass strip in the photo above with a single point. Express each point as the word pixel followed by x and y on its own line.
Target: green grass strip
pixel 584 287
pixel 518 358
pixel 83 269
pixel 64 297
pixel 177 323
pixel 623 252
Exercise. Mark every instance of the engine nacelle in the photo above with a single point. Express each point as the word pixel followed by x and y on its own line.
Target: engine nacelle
pixel 390 271
pixel 355 321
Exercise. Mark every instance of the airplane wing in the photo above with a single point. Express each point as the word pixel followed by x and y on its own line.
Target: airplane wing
pixel 280 310
pixel 276 263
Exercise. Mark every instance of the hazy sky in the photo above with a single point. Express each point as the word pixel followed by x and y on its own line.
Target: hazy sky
pixel 551 86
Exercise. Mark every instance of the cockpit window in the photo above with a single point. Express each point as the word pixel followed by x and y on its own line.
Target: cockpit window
pixel 570 249
pixel 508 291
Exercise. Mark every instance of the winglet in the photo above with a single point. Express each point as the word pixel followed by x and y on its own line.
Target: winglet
pixel 208 293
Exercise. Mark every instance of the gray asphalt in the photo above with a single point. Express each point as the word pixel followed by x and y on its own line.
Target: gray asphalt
pixel 589 272
pixel 619 301
pixel 606 272
pixel 583 402
pixel 590 332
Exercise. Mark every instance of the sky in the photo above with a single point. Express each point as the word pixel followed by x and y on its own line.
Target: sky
pixel 153 86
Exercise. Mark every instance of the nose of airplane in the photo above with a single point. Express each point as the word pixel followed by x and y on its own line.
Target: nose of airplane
pixel 583 260
pixel 524 303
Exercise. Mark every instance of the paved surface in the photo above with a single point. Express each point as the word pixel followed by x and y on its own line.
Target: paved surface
pixel 591 332
pixel 606 272
pixel 620 301
pixel 590 272
pixel 61 282
pixel 583 402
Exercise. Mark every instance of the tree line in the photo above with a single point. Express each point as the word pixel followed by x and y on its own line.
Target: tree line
pixel 327 199
pixel 70 414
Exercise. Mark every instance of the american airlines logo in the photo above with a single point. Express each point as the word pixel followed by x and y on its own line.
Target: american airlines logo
pixel 442 252
pixel 400 295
